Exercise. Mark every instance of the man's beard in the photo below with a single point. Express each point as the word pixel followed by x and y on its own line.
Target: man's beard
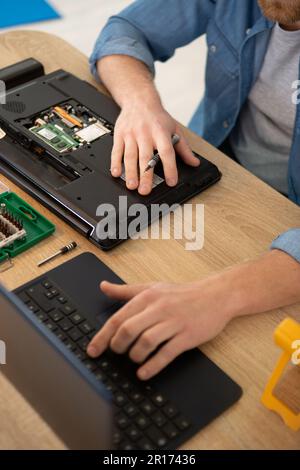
pixel 281 11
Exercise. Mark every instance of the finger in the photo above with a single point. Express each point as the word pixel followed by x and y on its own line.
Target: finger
pixel 163 357
pixel 151 339
pixel 122 291
pixel 183 149
pixel 130 162
pixel 101 340
pixel 117 156
pixel 146 178
pixel 167 156
pixel 132 328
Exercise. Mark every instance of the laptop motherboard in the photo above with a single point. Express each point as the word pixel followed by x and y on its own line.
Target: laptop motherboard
pixel 68 127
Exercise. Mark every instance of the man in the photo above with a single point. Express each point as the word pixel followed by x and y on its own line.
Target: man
pixel 252 67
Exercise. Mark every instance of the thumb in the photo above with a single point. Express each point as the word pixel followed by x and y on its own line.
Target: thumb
pixel 183 149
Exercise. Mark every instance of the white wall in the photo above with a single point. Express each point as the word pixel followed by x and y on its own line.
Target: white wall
pixel 180 81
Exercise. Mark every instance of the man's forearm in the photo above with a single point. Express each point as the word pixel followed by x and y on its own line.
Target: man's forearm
pixel 127 79
pixel 272 281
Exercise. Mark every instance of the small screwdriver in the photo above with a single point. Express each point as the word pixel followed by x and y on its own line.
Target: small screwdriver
pixel 156 157
pixel 65 249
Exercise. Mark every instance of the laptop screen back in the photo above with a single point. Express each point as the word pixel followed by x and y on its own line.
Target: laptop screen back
pixel 66 395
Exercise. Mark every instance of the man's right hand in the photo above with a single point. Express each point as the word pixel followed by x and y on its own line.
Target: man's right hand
pixel 143 125
pixel 140 129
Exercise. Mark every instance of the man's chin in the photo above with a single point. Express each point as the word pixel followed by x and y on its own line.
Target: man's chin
pixel 279 11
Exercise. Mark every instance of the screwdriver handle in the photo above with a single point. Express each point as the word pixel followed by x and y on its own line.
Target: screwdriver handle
pixel 67 248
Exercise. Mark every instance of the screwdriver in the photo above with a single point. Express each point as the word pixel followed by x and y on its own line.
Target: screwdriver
pixel 65 249
pixel 156 157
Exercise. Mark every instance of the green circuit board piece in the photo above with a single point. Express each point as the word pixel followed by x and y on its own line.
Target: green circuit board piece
pixel 56 137
pixel 21 226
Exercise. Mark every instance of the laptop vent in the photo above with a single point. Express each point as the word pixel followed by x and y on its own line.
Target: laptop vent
pixel 16 107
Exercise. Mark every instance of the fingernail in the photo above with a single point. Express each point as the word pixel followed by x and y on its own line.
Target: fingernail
pixel 144 188
pixel 114 171
pixel 132 183
pixel 143 374
pixel 92 351
pixel 172 182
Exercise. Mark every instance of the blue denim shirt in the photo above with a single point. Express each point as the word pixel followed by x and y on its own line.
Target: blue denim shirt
pixel 237 38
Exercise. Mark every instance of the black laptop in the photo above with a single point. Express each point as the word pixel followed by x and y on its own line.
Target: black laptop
pixel 59 136
pixel 100 403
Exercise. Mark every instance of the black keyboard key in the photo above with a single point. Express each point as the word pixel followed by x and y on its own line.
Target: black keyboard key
pixel 56 315
pixel 54 291
pixel 91 335
pixel 159 418
pixel 70 345
pixel 111 387
pixel 131 410
pixel 60 335
pixel 67 309
pixel 42 316
pixel 65 324
pixel 142 421
pixel 126 385
pixel 117 438
pixel 156 436
pixel 182 423
pixel 158 399
pixel 36 294
pixel 75 334
pixel 145 444
pixel 24 297
pixel 90 365
pixel 133 433
pixel 170 410
pixel 47 284
pixel 147 407
pixel 50 294
pixel 51 325
pixel 62 299
pixel 33 307
pixel 103 363
pixel 136 396
pixel 122 421
pixel 126 445
pixel 120 399
pixel 170 430
pixel 80 354
pixel 83 343
pixel 86 328
pixel 99 375
pixel 115 375
pixel 76 318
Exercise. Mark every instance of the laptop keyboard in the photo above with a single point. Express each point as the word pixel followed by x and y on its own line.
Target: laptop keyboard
pixel 144 418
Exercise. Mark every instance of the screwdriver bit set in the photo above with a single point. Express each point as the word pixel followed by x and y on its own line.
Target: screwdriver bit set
pixel 21 226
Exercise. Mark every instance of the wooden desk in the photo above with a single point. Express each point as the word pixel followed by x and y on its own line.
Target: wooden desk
pixel 242 217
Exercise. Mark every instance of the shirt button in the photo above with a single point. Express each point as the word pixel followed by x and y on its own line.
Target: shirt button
pixel 225 124
pixel 248 31
pixel 213 48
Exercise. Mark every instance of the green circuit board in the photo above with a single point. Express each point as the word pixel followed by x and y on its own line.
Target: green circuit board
pixel 21 226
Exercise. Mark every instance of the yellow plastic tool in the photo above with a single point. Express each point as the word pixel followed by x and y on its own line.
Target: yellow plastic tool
pixel 286 336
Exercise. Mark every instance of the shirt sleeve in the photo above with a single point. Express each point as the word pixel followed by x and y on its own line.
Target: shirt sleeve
pixel 289 242
pixel 151 30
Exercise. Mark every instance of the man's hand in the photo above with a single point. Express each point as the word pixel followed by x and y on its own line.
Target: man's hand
pixel 173 317
pixel 140 129
pixel 143 125
pixel 178 317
